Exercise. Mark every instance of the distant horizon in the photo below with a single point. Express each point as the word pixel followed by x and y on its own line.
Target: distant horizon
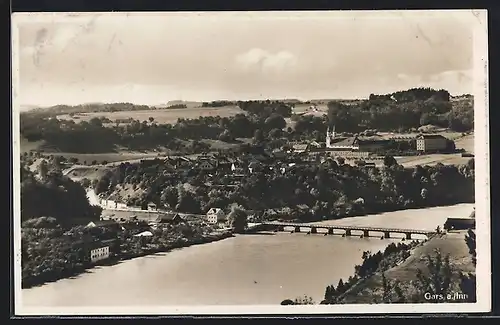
pixel 151 59
pixel 27 107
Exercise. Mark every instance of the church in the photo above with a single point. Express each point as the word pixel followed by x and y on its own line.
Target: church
pixel 354 143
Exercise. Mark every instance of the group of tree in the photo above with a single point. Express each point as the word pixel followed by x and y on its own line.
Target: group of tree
pixel 404 110
pixel 90 108
pixel 47 193
pixel 372 263
pixel 330 189
pixel 437 282
pixel 217 103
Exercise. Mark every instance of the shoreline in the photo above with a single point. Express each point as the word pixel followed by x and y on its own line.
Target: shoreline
pixel 178 244
pixel 402 268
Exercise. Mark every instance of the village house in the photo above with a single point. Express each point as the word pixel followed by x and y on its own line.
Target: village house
pixel 269 214
pixel 303 208
pixel 216 215
pixel 99 251
pixel 223 163
pixel 109 224
pixel 431 143
pixel 254 165
pixel 169 218
pixel 152 206
pixel 300 148
pixel 207 164
pixel 178 162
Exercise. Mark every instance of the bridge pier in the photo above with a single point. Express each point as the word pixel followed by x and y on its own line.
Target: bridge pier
pixel 297 229
pixel 348 232
pixel 408 235
pixel 387 234
pixel 366 233
pixel 330 231
pixel 314 230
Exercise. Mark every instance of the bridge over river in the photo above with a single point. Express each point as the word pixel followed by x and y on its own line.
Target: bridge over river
pixel 386 232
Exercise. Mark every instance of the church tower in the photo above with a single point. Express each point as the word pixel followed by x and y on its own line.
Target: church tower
pixel 329 136
pixel 327 140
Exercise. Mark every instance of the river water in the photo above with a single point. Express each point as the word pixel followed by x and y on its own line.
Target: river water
pixel 246 269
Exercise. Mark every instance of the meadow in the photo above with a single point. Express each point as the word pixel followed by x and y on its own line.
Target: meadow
pixel 161 116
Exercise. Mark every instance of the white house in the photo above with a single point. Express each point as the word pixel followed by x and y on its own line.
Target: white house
pixel 152 207
pixel 100 252
pixel 431 142
pixel 215 215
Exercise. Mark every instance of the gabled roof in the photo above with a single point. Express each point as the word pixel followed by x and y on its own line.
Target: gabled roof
pixel 302 206
pixel 254 164
pixel 103 223
pixel 167 217
pixel 430 136
pixel 346 142
pixel 144 234
pixel 299 146
pixel 96 244
pixel 214 210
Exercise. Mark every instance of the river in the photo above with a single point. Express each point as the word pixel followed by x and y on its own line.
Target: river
pixel 246 269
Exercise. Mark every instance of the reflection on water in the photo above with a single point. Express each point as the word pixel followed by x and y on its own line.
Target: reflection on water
pixel 247 269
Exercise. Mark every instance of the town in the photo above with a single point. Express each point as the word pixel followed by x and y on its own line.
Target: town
pixel 148 210
pixel 225 159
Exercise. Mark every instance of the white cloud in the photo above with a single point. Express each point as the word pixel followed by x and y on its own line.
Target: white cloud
pixel 266 61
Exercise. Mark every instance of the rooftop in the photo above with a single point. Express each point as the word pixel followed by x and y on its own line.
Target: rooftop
pixel 431 136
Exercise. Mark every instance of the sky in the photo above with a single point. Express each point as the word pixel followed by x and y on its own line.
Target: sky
pixel 153 58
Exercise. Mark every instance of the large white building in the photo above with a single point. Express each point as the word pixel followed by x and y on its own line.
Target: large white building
pixel 431 142
pixel 215 215
pixel 98 253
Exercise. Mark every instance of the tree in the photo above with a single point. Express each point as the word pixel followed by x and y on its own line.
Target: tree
pixel 391 291
pixel 275 121
pixel 226 136
pixel 390 161
pixel 85 182
pixel 468 280
pixel 435 286
pixel 237 219
pixel 305 300
pixel 43 169
pixel 258 136
pixel 287 302
pixel 470 240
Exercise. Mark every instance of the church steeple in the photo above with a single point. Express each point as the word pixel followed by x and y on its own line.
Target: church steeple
pixel 329 136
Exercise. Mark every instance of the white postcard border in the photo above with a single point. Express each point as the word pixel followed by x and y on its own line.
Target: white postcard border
pixel 481 143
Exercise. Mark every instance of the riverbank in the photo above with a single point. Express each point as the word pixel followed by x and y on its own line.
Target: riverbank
pixel 71 269
pixel 452 244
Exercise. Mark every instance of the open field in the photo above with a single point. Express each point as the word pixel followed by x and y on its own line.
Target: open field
pixel 88 158
pixel 444 132
pixel 445 159
pixel 90 172
pixel 466 143
pixel 305 108
pixel 146 216
pixel 161 116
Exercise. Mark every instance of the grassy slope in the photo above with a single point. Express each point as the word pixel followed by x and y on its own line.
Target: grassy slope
pixel 452 243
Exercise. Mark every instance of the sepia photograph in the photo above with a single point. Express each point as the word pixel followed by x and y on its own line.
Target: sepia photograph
pixel 211 163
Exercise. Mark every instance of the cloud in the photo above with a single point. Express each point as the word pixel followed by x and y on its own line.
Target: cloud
pixel 260 60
